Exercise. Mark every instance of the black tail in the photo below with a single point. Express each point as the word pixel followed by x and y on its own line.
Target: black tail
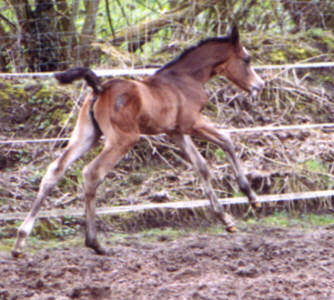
pixel 80 72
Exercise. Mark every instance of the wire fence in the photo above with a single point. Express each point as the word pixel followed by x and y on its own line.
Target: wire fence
pixel 54 35
pixel 324 126
pixel 132 38
pixel 151 71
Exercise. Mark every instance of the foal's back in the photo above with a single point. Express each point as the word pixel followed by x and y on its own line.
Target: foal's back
pixel 160 104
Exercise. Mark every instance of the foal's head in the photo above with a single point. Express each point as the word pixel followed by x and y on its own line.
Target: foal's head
pixel 237 66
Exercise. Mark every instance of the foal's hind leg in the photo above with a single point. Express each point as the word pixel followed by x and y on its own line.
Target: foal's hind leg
pixel 209 133
pixel 187 145
pixel 94 174
pixel 83 137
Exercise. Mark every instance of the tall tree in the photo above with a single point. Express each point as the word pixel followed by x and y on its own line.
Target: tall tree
pixel 46 34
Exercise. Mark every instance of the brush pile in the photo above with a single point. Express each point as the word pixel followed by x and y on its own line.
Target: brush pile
pixel 155 170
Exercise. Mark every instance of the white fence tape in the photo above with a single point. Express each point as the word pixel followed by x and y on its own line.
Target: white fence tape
pixel 231 130
pixel 143 72
pixel 75 212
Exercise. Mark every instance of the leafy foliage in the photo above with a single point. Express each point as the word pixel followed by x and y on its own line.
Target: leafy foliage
pixel 47 35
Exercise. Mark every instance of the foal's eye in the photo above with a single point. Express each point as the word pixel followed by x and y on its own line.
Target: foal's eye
pixel 247 60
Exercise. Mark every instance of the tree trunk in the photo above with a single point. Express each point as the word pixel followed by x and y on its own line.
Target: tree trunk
pixel 84 50
pixel 4 46
pixel 42 35
pixel 23 14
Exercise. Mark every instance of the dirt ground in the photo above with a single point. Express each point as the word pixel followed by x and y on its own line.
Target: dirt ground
pixel 258 262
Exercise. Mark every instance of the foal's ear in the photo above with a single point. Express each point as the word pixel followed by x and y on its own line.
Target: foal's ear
pixel 234 35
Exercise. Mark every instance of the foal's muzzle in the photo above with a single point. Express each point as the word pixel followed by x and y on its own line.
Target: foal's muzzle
pixel 255 91
pixel 256 88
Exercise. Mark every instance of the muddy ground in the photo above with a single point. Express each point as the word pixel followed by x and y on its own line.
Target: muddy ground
pixel 258 262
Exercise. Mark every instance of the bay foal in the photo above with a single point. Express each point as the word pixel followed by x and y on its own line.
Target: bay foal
pixel 168 102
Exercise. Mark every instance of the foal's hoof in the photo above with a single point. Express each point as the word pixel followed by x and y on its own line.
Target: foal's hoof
pixel 256 205
pixel 101 251
pixel 231 229
pixel 97 248
pixel 16 254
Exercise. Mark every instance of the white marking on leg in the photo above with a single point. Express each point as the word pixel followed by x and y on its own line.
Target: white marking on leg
pixel 27 225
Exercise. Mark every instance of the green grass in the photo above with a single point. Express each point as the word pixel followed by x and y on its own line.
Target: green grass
pixel 34 244
pixel 283 219
pixel 6 245
pixel 318 220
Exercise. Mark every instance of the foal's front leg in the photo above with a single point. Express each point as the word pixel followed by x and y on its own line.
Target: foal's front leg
pixel 187 145
pixel 209 133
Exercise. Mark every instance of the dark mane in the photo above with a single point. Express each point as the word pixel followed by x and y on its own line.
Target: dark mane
pixel 224 39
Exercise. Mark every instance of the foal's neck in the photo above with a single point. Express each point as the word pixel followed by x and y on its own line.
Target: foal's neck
pixel 200 62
